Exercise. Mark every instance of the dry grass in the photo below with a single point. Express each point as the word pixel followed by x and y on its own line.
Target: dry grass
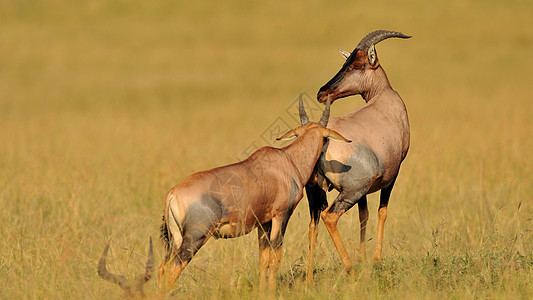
pixel 105 105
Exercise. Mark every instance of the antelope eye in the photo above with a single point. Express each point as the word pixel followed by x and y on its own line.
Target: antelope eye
pixel 351 67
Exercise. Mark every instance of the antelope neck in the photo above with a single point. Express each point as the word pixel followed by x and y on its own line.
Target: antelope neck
pixel 298 154
pixel 379 83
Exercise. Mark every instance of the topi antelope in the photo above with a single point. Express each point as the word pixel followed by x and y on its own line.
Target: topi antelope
pixel 380 134
pixel 132 290
pixel 262 191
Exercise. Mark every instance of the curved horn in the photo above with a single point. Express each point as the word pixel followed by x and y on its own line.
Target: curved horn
pixel 143 278
pixel 303 115
pixel 325 115
pixel 106 275
pixel 377 36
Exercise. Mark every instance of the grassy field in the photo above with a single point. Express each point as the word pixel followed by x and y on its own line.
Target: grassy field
pixel 105 105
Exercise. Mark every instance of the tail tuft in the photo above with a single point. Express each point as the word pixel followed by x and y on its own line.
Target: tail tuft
pixel 165 235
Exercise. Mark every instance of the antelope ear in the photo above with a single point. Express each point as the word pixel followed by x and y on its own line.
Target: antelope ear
pixel 334 135
pixel 288 136
pixel 372 57
pixel 344 53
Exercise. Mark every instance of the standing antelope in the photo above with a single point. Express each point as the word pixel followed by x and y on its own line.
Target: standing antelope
pixel 134 289
pixel 380 134
pixel 261 191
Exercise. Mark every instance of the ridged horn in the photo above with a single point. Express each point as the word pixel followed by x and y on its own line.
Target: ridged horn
pixel 136 289
pixel 304 119
pixel 143 278
pixel 377 36
pixel 106 275
pixel 325 115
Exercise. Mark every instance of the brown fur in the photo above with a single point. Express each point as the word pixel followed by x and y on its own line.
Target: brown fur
pixel 259 192
pixel 380 134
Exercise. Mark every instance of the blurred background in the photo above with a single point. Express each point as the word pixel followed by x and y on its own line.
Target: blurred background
pixel 105 105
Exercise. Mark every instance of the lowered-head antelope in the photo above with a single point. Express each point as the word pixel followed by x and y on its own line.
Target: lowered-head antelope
pixel 133 289
pixel 260 192
pixel 379 131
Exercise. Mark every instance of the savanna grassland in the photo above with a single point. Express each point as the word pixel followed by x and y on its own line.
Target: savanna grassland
pixel 105 105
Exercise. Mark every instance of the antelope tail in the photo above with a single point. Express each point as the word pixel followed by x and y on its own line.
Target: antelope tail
pixel 165 234
pixel 171 234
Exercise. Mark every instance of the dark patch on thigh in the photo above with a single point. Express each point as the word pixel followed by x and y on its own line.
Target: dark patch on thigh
pixel 333 165
pixel 293 195
pixel 202 216
pixel 338 167
pixel 366 166
pixel 294 192
pixel 344 202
